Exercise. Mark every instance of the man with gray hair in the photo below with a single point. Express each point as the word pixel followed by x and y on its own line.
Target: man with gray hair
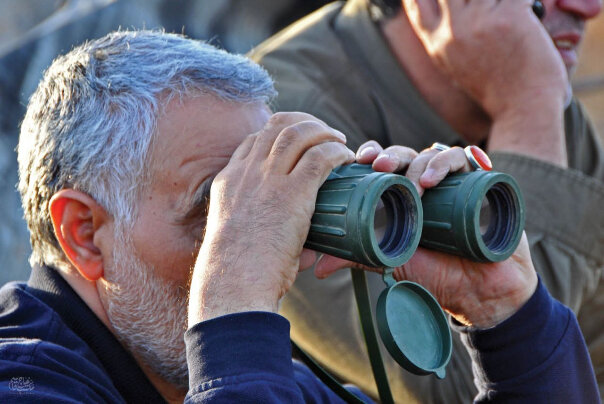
pixel 158 189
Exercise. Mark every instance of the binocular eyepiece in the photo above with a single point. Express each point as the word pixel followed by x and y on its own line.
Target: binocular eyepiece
pixel 378 219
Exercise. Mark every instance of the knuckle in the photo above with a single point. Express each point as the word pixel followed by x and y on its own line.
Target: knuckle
pixel 424 157
pixel 426 152
pixel 392 149
pixel 279 118
pixel 371 143
pixel 403 152
pixel 321 158
pixel 317 154
pixel 314 168
pixel 437 160
pixel 249 140
pixel 304 116
pixel 458 154
pixel 313 126
pixel 326 152
pixel 442 157
pixel 417 166
pixel 448 159
pixel 287 137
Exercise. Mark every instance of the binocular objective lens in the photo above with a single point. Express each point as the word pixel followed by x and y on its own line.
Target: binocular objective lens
pixel 380 221
pixel 497 217
pixel 486 216
pixel 393 220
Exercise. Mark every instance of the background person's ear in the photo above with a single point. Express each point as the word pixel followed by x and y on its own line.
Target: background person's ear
pixel 76 217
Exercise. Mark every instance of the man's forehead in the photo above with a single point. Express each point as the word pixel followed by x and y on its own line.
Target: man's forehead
pixel 196 138
pixel 205 127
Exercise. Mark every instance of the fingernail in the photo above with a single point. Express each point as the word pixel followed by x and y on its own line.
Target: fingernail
pixel 366 152
pixel 381 156
pixel 341 135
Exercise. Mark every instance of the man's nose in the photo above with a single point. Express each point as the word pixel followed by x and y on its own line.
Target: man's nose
pixel 584 8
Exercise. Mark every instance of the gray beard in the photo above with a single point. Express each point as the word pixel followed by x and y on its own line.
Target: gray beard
pixel 149 315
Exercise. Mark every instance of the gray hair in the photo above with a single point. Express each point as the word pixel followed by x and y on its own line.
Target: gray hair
pixel 91 121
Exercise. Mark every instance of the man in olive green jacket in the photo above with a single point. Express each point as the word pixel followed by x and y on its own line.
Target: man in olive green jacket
pixel 469 73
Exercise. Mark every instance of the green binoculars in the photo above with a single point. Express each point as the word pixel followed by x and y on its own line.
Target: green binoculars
pixel 378 219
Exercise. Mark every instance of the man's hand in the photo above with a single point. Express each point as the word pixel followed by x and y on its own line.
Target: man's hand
pixel 497 50
pixel 260 208
pixel 424 170
pixel 499 53
pixel 476 294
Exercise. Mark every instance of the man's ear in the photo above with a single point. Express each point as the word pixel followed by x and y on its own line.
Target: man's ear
pixel 76 218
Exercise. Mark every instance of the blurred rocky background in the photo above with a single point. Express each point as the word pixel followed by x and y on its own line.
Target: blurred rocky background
pixel 34 32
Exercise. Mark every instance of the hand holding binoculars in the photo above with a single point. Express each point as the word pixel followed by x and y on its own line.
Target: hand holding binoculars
pixel 378 219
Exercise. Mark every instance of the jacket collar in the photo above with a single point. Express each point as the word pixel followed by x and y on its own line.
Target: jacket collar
pixel 48 285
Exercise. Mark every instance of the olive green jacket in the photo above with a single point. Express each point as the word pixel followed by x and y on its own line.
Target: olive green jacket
pixel 336 65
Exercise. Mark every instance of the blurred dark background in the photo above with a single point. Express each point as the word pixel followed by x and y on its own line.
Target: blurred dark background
pixel 34 32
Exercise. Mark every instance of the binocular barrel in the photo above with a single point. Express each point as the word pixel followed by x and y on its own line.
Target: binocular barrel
pixel 478 215
pixel 367 217
pixel 378 219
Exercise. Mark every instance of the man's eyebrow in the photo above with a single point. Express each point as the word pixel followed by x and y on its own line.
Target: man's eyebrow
pixel 199 203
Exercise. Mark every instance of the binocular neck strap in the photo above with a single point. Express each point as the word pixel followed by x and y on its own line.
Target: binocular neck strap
pixel 361 293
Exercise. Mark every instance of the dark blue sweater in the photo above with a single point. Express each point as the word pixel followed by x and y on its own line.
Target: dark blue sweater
pixel 53 348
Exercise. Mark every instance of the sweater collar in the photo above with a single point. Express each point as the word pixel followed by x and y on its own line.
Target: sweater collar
pixel 49 286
